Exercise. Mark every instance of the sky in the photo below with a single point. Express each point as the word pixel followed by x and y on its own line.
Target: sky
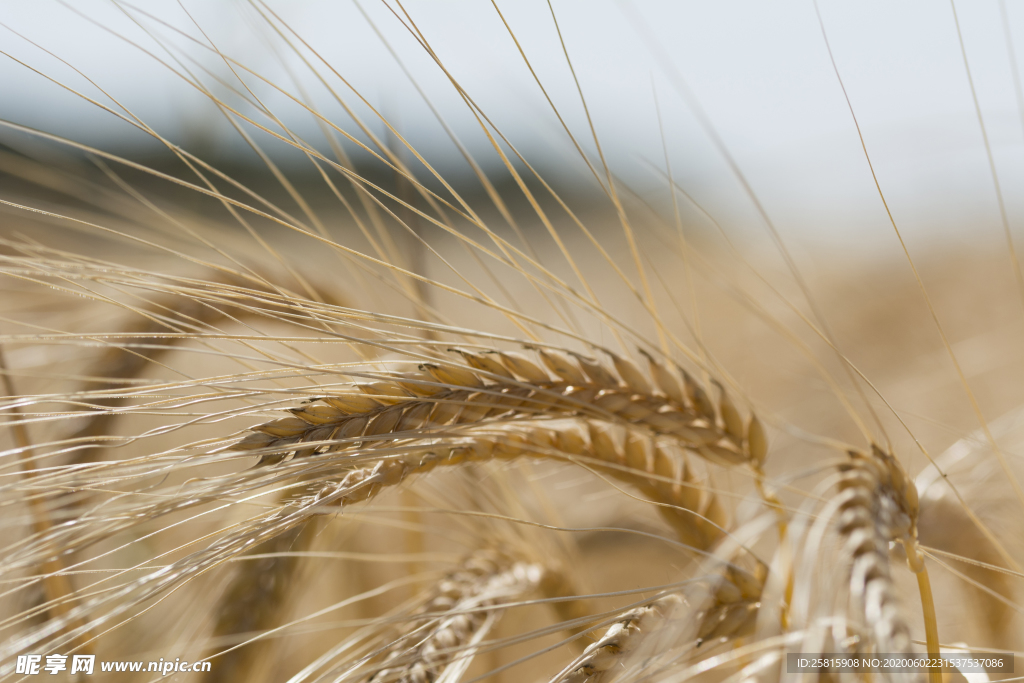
pixel 753 75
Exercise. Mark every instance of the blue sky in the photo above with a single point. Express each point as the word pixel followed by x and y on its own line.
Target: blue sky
pixel 759 70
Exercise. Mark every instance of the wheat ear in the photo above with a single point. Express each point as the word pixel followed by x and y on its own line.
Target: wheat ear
pixel 507 385
pixel 653 468
pixel 254 599
pixel 618 640
pixel 656 471
pixel 462 609
pixel 877 504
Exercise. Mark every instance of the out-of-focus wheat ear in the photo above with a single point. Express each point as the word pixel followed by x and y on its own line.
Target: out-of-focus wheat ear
pixel 170 313
pixel 557 585
pixel 944 526
pixel 732 612
pixel 57 590
pixel 600 658
pixel 255 600
pixel 463 607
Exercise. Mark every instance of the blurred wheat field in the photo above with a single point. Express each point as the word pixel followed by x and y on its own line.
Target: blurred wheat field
pixel 338 413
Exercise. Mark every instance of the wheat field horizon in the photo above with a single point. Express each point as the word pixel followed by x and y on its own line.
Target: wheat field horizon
pixel 345 380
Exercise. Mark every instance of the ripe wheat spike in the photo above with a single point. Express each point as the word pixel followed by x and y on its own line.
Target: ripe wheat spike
pixel 330 388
